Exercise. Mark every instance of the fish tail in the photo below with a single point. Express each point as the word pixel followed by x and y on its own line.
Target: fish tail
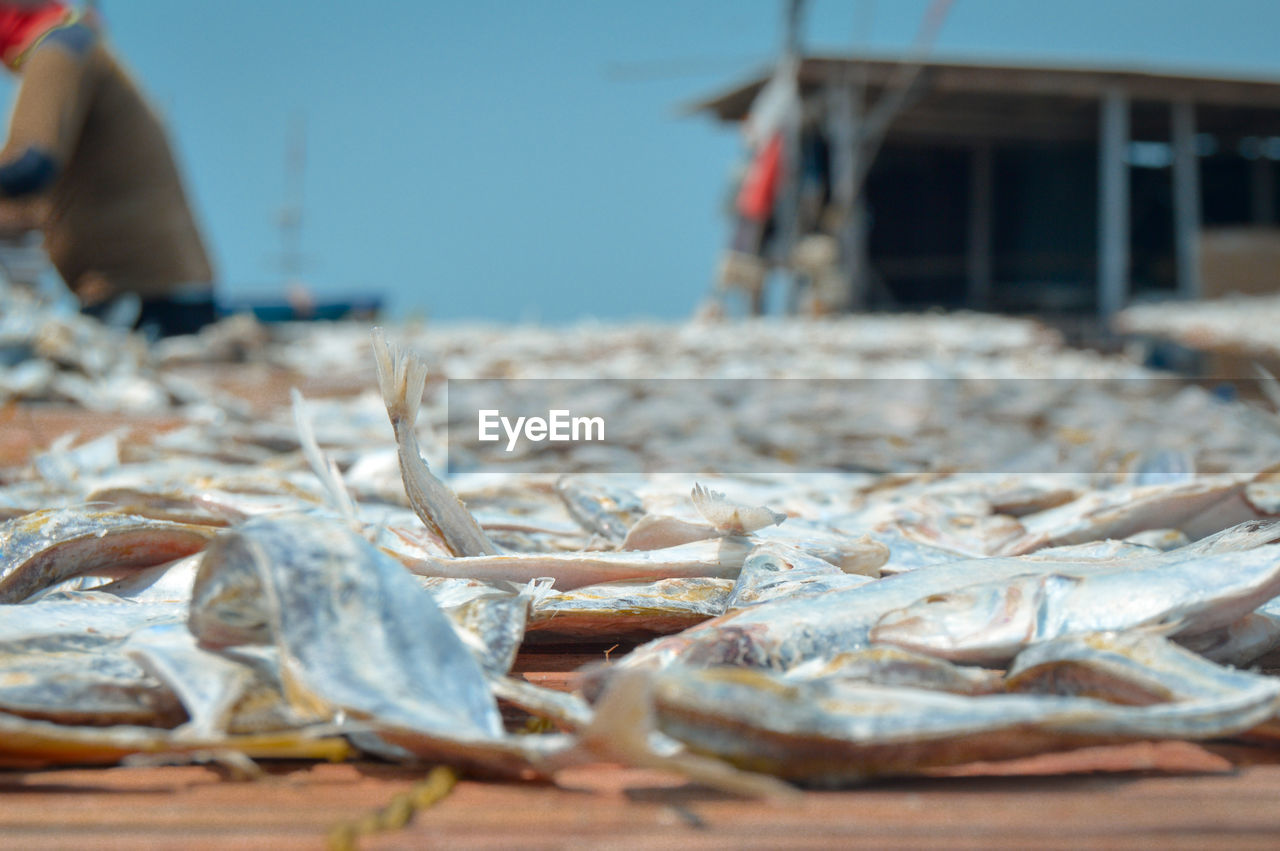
pixel 402 375
pixel 324 467
pixel 622 727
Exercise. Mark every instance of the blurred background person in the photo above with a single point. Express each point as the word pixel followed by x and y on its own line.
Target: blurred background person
pixel 88 163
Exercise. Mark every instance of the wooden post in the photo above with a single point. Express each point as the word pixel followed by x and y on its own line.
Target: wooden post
pixel 978 260
pixel 843 113
pixel 1264 191
pixel 1186 199
pixel 1113 203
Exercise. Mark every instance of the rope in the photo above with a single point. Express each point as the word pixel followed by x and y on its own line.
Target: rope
pixel 345 835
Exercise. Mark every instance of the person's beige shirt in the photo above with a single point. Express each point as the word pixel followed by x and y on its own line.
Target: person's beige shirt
pixel 117 211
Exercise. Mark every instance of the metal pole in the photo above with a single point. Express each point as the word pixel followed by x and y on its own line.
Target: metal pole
pixel 1186 199
pixel 1113 204
pixel 979 253
pixel 1264 192
pixel 795 16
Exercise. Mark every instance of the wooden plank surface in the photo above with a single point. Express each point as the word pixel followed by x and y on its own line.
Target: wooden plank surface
pixel 25 429
pixel 1167 794
pixel 297 805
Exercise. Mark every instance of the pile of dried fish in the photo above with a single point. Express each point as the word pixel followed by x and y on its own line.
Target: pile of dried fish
pixel 308 587
pixel 49 352
pixel 1244 325
pixel 876 394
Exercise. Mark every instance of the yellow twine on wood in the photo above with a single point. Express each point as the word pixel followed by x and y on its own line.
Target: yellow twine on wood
pixel 397 813
pixel 536 725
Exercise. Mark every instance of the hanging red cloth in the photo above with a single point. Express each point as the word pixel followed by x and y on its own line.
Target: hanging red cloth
pixel 760 185
pixel 22 27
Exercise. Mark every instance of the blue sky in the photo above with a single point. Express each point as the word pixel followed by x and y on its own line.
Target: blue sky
pixel 524 159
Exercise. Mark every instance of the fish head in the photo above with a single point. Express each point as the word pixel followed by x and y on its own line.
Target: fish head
pixel 228 605
pixel 980 624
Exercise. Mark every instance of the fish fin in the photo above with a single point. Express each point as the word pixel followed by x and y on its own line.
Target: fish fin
pixel 710 505
pixel 730 517
pixel 325 468
pixel 624 729
pixel 402 376
pixel 1165 628
pixel 537 588
pixel 567 709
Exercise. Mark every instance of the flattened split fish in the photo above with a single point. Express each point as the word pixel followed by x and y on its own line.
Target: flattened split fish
pixel 784 633
pixel 62 660
pixel 719 557
pixel 356 635
pixel 1240 642
pixel 1135 668
pixel 894 666
pixel 42 549
pixel 223 693
pixel 989 623
pixel 1197 507
pixel 833 732
pixel 489 618
pixel 314 590
pixel 600 508
pixel 778 572
pixel 626 611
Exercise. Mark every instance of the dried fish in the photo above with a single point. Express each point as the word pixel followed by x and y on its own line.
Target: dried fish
pixel 1133 668
pixel 317 590
pixel 160 584
pixel 61 660
pixel 720 558
pixel 1197 507
pixel 832 732
pixel 82 680
pixel 47 547
pixel 989 623
pixel 895 666
pixel 1160 539
pixel 1240 642
pixel 325 469
pixel 314 589
pixel 222 693
pixel 605 510
pixel 732 518
pixel 491 621
pixel 659 531
pixel 402 375
pixel 785 632
pixel 776 572
pixel 28 744
pixel 906 553
pixel 628 611
pixel 960 482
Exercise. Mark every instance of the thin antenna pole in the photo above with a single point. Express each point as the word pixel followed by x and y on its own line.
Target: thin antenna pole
pixel 795 17
pixel 291 217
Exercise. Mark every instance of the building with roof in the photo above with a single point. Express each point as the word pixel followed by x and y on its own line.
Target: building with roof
pixel 1037 188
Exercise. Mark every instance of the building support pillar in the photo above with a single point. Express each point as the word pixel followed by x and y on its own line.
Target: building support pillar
pixel 978 258
pixel 1113 203
pixel 844 108
pixel 1186 199
pixel 1264 191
